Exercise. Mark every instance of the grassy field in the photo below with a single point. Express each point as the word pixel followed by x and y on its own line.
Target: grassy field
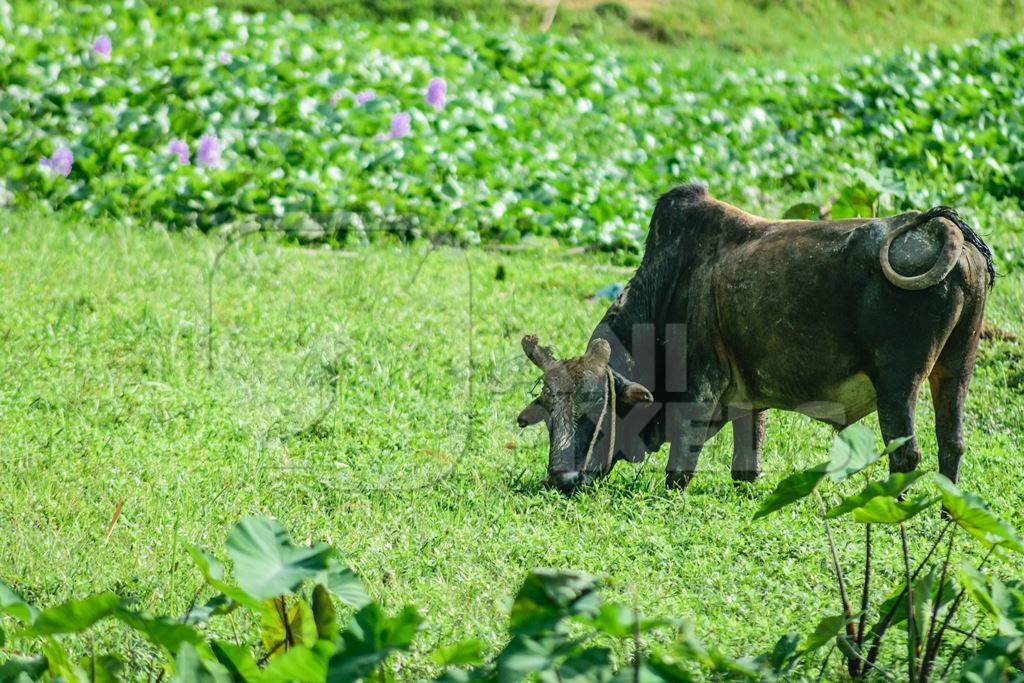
pixel 820 30
pixel 367 399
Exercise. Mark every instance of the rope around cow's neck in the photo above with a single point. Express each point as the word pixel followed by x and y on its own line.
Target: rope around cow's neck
pixel 608 390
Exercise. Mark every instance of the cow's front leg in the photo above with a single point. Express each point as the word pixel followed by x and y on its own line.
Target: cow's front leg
pixel 747 437
pixel 690 426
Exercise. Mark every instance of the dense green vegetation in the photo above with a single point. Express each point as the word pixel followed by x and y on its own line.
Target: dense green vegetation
pixel 559 627
pixel 616 128
pixel 343 401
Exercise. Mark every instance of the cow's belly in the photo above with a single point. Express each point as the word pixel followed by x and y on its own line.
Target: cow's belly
pixel 839 401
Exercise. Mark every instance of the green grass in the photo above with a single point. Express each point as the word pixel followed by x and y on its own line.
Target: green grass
pixel 415 470
pixel 817 29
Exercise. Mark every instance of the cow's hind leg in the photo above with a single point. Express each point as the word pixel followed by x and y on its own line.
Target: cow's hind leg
pixel 690 426
pixel 747 437
pixel 948 380
pixel 897 398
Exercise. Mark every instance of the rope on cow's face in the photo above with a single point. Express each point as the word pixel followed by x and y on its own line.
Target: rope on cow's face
pixel 609 390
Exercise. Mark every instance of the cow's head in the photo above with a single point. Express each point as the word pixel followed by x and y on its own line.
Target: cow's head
pixel 575 393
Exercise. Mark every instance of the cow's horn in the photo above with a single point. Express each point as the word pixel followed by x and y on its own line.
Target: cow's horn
pixel 540 355
pixel 598 352
pixel 946 260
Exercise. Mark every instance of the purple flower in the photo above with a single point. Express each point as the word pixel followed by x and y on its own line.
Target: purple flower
pixel 60 162
pixel 208 152
pixel 180 148
pixel 102 46
pixel 364 96
pixel 336 97
pixel 436 91
pixel 400 125
pixel 224 57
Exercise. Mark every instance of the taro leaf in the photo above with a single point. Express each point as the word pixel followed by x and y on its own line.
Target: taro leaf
pixel 972 514
pixel 162 632
pixel 893 487
pixel 463 653
pixel 1004 603
pixel 886 510
pixel 345 584
pixel 549 596
pixel 622 621
pixel 73 616
pixel 17 669
pixel 266 562
pixel 791 489
pixel 101 669
pixel 368 640
pixel 189 667
pixel 995 657
pixel 785 653
pixel 279 636
pixel 325 616
pixel 590 665
pixel 301 663
pixel 213 572
pixel 217 605
pixel 824 632
pixel 237 659
pixel 524 656
pixel 803 211
pixel 853 450
pixel 14 605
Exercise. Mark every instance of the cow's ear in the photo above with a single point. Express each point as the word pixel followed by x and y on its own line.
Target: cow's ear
pixel 532 414
pixel 636 393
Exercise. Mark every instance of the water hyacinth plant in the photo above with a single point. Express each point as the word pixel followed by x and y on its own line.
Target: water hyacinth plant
pixel 102 46
pixel 208 151
pixel 400 125
pixel 364 96
pixel 436 91
pixel 60 162
pixel 179 148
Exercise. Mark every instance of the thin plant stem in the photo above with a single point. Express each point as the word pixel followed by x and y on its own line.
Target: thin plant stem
pixel 931 642
pixel 883 625
pixel 866 590
pixel 959 649
pixel 911 625
pixel 824 662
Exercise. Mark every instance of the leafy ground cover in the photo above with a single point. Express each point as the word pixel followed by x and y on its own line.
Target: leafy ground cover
pixel 367 399
pixel 539 135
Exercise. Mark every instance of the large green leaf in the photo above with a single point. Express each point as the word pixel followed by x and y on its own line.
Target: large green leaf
pixel 14 605
pixel 893 487
pixel 303 664
pixel 213 572
pixel 971 513
pixel 237 659
pixel 266 562
pixel 23 669
pixel 886 510
pixel 286 625
pixel 73 616
pixel 344 584
pixel 853 450
pixel 824 632
pixel 548 596
pixel 161 631
pixel 369 639
pixel 189 667
pixel 795 487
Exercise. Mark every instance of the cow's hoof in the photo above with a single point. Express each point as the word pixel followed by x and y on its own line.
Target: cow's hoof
pixel 745 476
pixel 678 480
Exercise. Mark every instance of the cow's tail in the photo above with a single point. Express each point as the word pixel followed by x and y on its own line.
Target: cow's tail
pixel 957 232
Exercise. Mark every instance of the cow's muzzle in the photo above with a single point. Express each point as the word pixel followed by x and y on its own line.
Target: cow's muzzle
pixel 566 482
